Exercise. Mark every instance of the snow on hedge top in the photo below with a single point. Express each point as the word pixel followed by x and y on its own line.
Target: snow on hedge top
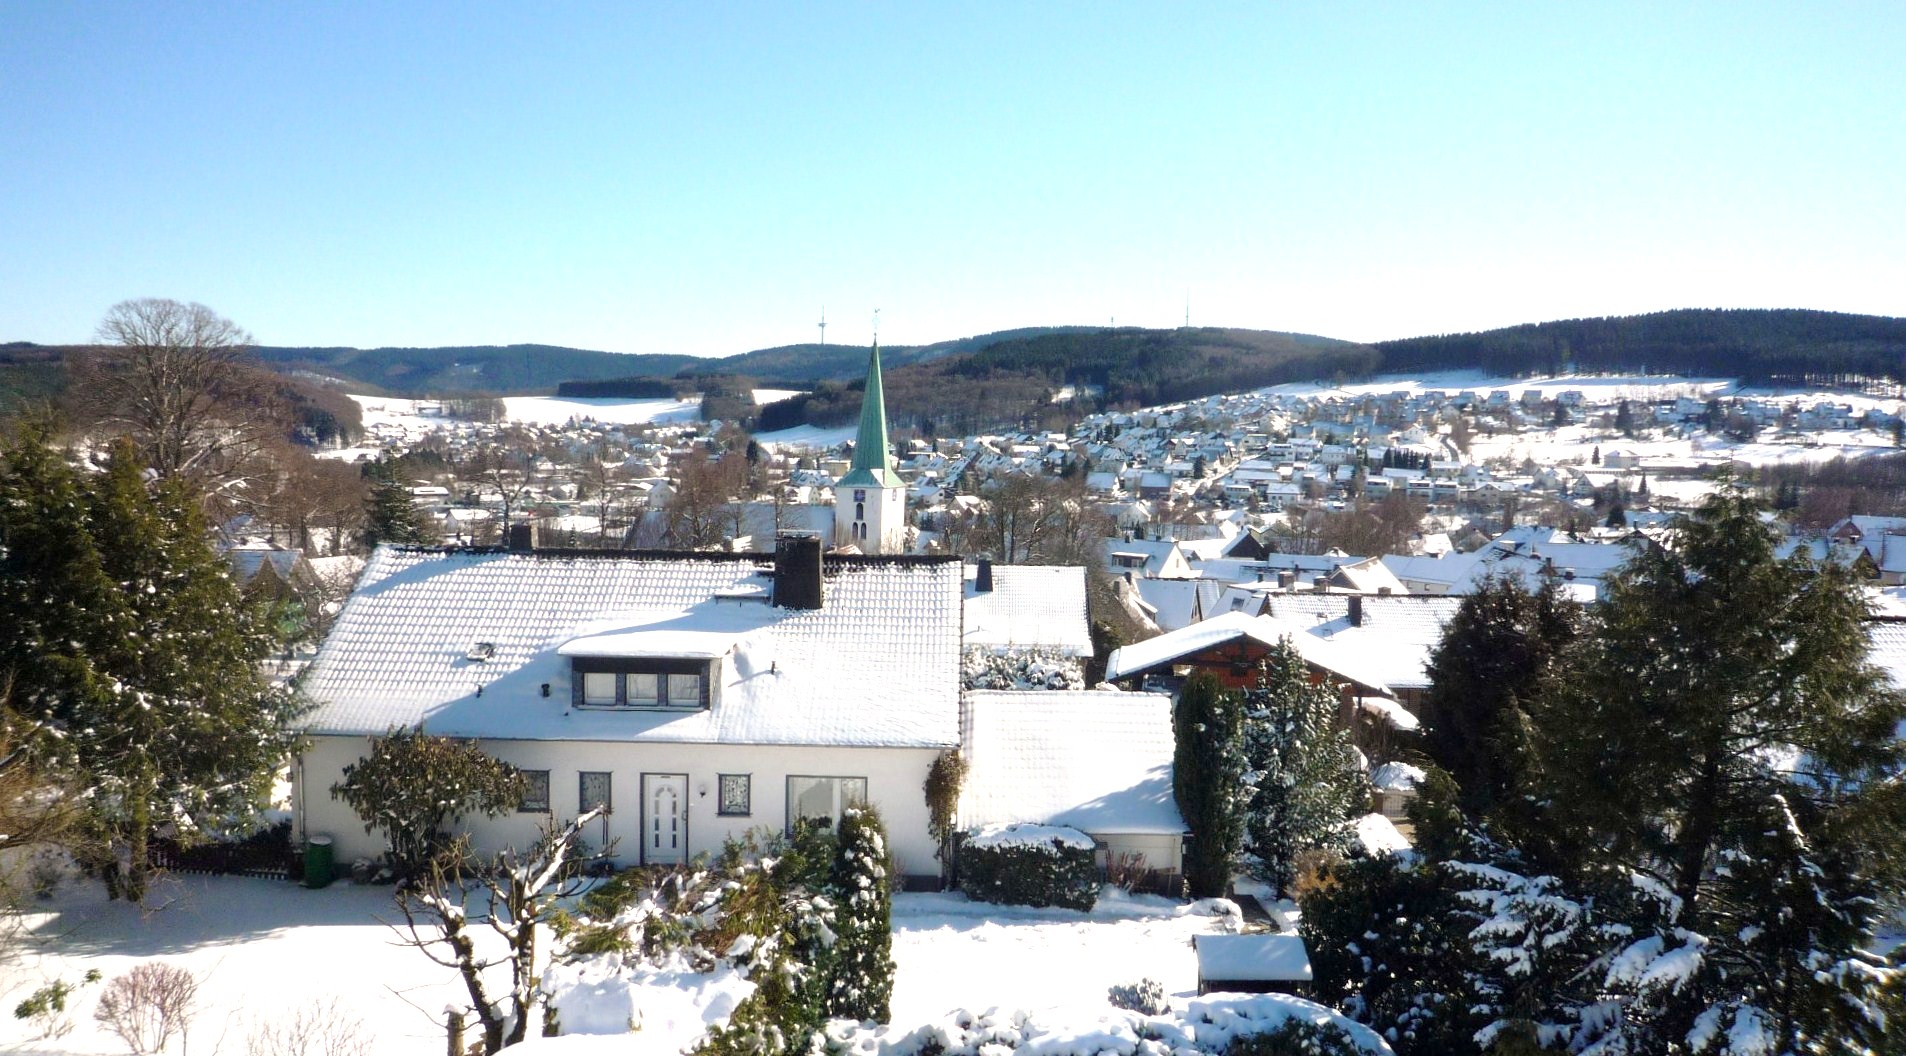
pixel 877 665
pixel 996 836
pixel 1096 760
pixel 1206 1026
pixel 1030 607
pixel 1397 777
pixel 1260 957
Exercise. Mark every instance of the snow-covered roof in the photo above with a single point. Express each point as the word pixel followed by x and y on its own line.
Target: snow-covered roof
pixel 1255 958
pixel 1030 606
pixel 1229 626
pixel 1094 760
pixel 1397 777
pixel 876 665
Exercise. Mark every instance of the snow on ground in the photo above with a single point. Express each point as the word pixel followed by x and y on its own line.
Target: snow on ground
pixel 953 953
pixel 263 949
pixel 807 436
pixel 1578 443
pixel 1593 387
pixel 555 410
pixel 766 396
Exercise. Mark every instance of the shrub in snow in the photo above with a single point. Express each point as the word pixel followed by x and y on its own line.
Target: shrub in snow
pixel 942 788
pixel 982 668
pixel 862 979
pixel 1146 997
pixel 1208 781
pixel 148 1005
pixel 413 785
pixel 1030 865
pixel 1295 1037
pixel 1209 1025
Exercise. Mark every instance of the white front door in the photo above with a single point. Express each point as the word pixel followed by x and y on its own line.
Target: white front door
pixel 664 819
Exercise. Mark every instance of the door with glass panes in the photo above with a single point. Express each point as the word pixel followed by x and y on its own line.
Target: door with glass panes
pixel 664 819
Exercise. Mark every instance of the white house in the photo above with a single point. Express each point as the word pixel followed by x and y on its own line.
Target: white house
pixel 698 696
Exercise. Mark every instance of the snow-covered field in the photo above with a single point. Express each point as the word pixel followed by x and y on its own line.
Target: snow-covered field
pixel 555 410
pixel 264 949
pixel 808 436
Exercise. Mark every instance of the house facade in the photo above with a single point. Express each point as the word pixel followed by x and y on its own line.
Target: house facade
pixel 698 696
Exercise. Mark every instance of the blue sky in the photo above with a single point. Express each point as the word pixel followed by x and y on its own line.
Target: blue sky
pixel 703 178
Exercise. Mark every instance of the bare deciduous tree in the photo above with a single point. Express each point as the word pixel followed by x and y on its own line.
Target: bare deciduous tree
pixel 180 380
pixel 513 895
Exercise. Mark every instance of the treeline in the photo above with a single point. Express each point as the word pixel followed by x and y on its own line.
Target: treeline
pixel 639 388
pixel 1789 346
pixel 494 370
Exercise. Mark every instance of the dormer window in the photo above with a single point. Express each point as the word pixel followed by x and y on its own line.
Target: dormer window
pixel 654 684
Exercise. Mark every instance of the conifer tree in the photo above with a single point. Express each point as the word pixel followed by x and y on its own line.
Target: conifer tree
pixel 1497 654
pixel 861 982
pixel 1304 780
pixel 390 515
pixel 143 664
pixel 1208 781
pixel 1722 740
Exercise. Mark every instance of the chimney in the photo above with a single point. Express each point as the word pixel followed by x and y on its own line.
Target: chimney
pixel 1384 592
pixel 797 570
pixel 1356 610
pixel 522 538
pixel 1287 579
pixel 1321 584
pixel 983 576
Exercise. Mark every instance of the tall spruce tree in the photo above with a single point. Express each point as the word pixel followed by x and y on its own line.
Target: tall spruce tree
pixel 1722 742
pixel 390 516
pixel 1208 781
pixel 1304 778
pixel 151 693
pixel 1498 653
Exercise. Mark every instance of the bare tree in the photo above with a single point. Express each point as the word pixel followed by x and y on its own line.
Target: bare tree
pixel 699 509
pixel 321 1028
pixel 514 896
pixel 181 381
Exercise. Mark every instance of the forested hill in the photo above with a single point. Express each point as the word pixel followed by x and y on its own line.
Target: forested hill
pixel 483 369
pixel 1024 379
pixel 799 364
pixel 1756 345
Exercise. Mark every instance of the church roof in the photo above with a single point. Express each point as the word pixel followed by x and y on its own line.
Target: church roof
pixel 873 460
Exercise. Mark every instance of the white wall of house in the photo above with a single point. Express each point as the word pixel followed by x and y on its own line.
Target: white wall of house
pixel 895 779
pixel 1162 852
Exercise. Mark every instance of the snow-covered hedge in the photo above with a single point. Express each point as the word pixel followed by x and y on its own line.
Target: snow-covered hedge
pixel 1030 865
pixel 982 668
pixel 1207 1026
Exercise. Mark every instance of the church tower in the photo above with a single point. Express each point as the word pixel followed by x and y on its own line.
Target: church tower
pixel 870 502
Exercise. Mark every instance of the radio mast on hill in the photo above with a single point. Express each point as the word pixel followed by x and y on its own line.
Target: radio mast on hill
pixel 823 324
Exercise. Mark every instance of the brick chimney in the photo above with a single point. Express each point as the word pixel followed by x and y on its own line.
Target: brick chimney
pixel 797 570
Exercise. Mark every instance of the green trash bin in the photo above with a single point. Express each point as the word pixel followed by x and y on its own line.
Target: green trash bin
pixel 318 859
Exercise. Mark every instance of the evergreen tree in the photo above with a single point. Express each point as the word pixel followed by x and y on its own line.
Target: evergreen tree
pixel 390 516
pixel 1208 781
pixel 1625 419
pixel 1617 515
pixel 1304 780
pixel 1723 740
pixel 151 689
pixel 1497 655
pixel 861 981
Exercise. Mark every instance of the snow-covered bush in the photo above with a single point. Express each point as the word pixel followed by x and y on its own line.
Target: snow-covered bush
pixel 1146 997
pixel 1295 1037
pixel 148 1005
pixel 1030 865
pixel 982 668
pixel 862 979
pixel 1208 1026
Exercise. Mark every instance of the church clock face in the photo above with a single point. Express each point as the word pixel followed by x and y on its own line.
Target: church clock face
pixel 860 495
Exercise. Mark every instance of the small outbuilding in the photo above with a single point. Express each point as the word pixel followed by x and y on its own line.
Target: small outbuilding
pixel 1252 964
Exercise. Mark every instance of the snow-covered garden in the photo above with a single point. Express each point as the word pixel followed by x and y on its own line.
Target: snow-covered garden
pixel 265 951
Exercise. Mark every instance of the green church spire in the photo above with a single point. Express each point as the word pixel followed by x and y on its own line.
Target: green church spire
pixel 873 463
